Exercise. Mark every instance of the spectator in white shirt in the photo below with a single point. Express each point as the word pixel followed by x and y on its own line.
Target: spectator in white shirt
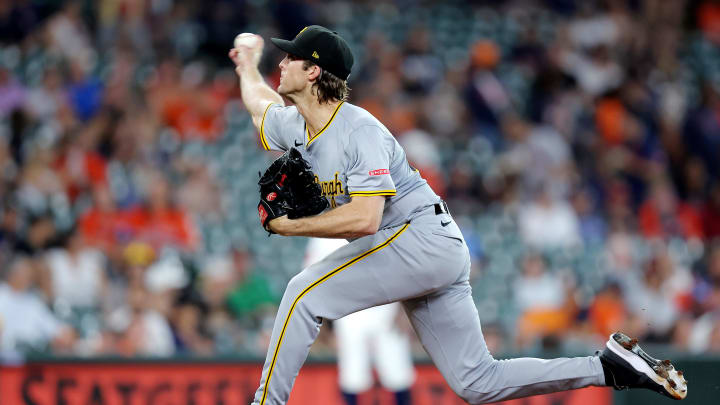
pixel 26 323
pixel 77 273
pixel 549 223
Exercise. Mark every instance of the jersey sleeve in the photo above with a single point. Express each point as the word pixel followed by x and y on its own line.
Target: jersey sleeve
pixel 275 127
pixel 369 160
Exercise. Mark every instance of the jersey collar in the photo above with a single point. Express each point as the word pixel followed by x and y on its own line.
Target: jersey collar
pixel 311 138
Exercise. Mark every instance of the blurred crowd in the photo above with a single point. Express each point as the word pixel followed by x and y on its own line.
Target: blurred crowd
pixel 577 144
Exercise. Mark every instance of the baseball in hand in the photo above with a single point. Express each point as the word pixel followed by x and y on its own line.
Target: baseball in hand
pixel 245 39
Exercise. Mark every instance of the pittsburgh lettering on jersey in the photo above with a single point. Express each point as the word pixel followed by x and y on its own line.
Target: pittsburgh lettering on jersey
pixel 331 188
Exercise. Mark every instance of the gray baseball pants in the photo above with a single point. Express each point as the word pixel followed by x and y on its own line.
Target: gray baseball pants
pixel 426 266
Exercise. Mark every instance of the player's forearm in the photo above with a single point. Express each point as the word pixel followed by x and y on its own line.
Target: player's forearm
pixel 337 223
pixel 346 221
pixel 256 94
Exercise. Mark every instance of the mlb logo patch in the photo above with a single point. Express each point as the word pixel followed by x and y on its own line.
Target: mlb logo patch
pixel 378 172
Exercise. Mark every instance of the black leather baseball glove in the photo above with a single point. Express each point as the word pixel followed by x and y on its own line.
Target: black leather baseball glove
pixel 288 187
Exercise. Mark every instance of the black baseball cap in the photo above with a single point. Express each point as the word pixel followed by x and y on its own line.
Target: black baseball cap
pixel 323 47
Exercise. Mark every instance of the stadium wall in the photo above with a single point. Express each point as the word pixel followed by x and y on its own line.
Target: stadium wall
pixel 225 381
pixel 186 382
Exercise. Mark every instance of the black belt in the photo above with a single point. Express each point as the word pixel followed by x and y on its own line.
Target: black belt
pixel 441 208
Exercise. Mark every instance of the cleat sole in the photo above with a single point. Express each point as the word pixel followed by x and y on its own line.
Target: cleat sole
pixel 660 371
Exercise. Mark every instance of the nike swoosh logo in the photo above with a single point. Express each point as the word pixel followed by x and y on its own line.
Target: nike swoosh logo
pixel 298 143
pixel 445 223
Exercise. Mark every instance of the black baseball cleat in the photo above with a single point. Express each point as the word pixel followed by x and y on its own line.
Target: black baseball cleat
pixel 626 365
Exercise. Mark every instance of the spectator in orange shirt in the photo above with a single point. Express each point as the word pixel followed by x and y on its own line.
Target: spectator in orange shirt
pixel 708 19
pixel 79 164
pixel 663 216
pixel 103 225
pixel 159 222
pixel 607 313
pixel 711 213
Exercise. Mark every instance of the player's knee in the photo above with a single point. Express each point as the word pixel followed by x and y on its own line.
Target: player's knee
pixel 458 385
pixel 457 388
pixel 467 394
pixel 476 392
pixel 296 285
pixel 294 292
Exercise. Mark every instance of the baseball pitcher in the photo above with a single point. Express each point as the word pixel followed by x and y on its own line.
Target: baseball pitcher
pixel 404 245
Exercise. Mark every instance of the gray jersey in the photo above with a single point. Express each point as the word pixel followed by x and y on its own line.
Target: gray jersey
pixel 352 155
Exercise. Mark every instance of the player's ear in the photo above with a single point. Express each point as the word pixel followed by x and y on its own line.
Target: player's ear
pixel 314 72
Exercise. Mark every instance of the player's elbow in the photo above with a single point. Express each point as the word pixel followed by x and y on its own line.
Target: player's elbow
pixel 368 225
pixel 367 214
